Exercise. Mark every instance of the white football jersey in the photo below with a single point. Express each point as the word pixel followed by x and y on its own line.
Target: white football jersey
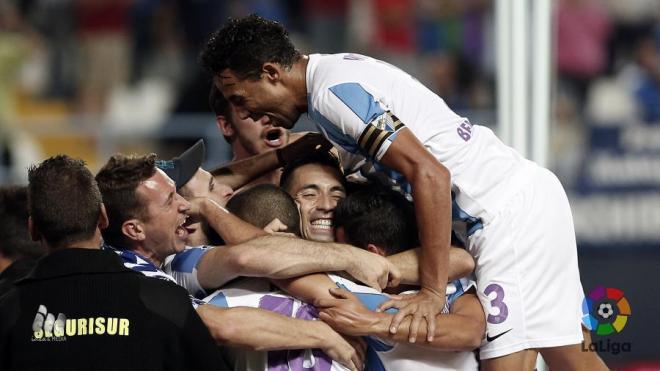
pixel 388 355
pixel 360 104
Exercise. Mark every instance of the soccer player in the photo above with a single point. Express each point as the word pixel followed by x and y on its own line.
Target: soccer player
pixel 384 121
pixel 249 137
pixel 147 229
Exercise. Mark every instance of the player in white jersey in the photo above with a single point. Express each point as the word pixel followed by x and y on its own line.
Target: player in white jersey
pixel 516 214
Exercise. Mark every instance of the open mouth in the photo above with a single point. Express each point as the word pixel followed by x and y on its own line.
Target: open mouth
pixel 182 230
pixel 274 137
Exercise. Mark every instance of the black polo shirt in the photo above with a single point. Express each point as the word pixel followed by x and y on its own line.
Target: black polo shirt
pixel 81 309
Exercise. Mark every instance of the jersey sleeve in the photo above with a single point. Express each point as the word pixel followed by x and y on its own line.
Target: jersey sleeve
pixel 353 117
pixel 183 267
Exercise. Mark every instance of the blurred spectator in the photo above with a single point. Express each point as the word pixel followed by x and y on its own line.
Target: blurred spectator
pixel 17 250
pixel 647 93
pixel 325 24
pixel 583 28
pixel 103 31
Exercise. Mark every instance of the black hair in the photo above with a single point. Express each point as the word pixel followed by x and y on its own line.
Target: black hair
pixel 323 158
pixel 220 107
pixel 15 241
pixel 260 204
pixel 64 200
pixel 378 215
pixel 245 44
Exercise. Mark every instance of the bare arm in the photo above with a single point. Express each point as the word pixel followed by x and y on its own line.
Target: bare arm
pixel 431 191
pixel 281 257
pixel 238 173
pixel 231 228
pixel 262 330
pixel 460 330
pixel 461 264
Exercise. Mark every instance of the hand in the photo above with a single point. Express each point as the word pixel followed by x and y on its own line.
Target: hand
pixel 426 304
pixel 347 351
pixel 275 226
pixel 373 270
pixel 345 313
pixel 309 142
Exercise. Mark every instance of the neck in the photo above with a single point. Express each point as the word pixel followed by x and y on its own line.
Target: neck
pixel 239 151
pixel 93 243
pixel 149 255
pixel 298 76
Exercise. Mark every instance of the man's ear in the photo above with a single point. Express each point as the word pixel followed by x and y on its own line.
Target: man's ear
pixel 34 233
pixel 103 218
pixel 272 71
pixel 224 126
pixel 133 229
pixel 375 249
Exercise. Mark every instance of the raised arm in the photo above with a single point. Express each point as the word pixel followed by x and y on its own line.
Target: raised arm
pixel 461 264
pixel 431 191
pixel 261 330
pixel 281 257
pixel 238 173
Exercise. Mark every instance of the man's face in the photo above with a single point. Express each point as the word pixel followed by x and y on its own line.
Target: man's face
pixel 256 136
pixel 166 213
pixel 316 189
pixel 202 184
pixel 254 99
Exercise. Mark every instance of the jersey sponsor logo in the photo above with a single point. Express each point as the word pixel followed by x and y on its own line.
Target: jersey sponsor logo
pixel 46 327
pixel 492 338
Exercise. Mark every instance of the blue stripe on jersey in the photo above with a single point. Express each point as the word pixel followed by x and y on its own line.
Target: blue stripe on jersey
pixel 358 100
pixel 371 301
pixel 396 176
pixel 459 291
pixel 457 214
pixel 333 133
pixel 219 300
pixel 187 260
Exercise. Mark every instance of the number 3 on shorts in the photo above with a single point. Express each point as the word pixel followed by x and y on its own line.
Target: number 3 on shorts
pixel 497 302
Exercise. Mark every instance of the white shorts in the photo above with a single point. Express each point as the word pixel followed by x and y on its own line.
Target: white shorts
pixel 527 270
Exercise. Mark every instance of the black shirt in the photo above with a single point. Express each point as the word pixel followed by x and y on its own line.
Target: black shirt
pixel 81 309
pixel 14 272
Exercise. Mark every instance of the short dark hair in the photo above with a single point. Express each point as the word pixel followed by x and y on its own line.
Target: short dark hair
pixel 323 158
pixel 220 107
pixel 15 241
pixel 64 200
pixel 380 216
pixel 260 204
pixel 118 180
pixel 245 44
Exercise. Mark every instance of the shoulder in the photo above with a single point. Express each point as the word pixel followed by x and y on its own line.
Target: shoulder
pixel 165 299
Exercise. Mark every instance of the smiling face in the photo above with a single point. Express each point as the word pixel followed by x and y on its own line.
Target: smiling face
pixel 163 230
pixel 316 189
pixel 266 96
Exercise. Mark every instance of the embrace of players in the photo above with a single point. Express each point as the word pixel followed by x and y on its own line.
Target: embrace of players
pixel 419 242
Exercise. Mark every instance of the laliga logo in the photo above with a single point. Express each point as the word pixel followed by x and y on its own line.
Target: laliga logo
pixel 606 311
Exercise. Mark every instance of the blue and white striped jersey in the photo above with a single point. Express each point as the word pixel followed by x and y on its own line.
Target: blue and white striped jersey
pixel 179 268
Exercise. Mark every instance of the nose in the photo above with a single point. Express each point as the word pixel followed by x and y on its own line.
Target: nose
pixel 184 205
pixel 264 120
pixel 325 203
